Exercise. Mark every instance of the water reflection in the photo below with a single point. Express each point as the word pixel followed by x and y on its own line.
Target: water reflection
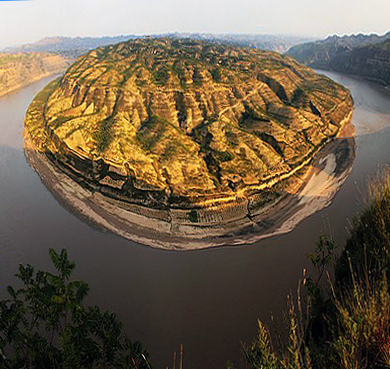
pixel 208 300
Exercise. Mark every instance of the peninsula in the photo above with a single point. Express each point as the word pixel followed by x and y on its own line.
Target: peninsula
pixel 186 143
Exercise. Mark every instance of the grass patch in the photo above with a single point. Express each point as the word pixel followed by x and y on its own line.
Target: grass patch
pixel 104 134
pixel 151 132
pixel 223 156
pixel 58 122
pixel 161 75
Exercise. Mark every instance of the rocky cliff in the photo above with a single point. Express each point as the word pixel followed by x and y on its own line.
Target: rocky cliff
pixel 21 69
pixel 360 55
pixel 183 124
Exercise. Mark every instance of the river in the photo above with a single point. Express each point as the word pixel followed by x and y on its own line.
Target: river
pixel 208 300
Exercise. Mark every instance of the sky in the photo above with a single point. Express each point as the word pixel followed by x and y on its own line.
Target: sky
pixel 29 21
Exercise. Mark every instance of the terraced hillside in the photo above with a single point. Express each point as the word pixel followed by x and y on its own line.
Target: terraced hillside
pixel 187 125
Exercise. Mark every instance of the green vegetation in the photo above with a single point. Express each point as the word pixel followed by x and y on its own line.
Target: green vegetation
pixel 45 325
pixel 151 132
pixel 193 216
pixel 223 156
pixel 216 75
pixel 368 247
pixel 104 134
pixel 342 322
pixel 161 75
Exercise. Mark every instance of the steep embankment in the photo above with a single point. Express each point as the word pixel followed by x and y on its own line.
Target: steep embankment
pixel 187 132
pixel 19 70
pixel 363 56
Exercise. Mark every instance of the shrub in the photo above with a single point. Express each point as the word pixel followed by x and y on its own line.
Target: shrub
pixel 46 325
pixel 347 323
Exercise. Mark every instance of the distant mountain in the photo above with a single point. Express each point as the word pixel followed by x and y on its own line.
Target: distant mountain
pixel 70 46
pixel 279 43
pixel 366 56
pixel 75 46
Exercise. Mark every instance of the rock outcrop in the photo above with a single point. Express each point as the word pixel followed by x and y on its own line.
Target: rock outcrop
pixel 360 55
pixel 19 70
pixel 186 131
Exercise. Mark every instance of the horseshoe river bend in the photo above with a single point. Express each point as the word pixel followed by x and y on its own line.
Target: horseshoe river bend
pixel 208 300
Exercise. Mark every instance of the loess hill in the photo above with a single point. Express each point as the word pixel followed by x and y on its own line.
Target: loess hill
pixel 179 123
pixel 20 69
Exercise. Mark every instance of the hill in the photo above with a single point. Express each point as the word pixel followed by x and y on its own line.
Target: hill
pixel 200 132
pixel 19 70
pixel 366 56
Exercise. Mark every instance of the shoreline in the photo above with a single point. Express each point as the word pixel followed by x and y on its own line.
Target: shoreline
pixel 325 174
pixel 27 83
pixel 375 81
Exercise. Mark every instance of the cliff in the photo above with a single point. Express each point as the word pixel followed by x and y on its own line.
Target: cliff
pixel 19 70
pixel 183 124
pixel 363 56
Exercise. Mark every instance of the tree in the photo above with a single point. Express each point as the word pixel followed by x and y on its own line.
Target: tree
pixel 45 325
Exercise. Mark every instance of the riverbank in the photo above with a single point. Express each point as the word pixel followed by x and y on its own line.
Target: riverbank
pixel 312 192
pixel 183 294
pixel 22 69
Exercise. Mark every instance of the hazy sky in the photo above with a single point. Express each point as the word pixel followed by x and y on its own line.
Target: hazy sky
pixel 28 21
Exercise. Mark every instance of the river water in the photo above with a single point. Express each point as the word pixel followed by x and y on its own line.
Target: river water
pixel 207 300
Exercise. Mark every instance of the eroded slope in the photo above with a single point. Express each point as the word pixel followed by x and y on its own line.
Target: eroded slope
pixel 176 123
pixel 21 69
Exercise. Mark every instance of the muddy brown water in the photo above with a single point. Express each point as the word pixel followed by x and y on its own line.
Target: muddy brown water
pixel 208 300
